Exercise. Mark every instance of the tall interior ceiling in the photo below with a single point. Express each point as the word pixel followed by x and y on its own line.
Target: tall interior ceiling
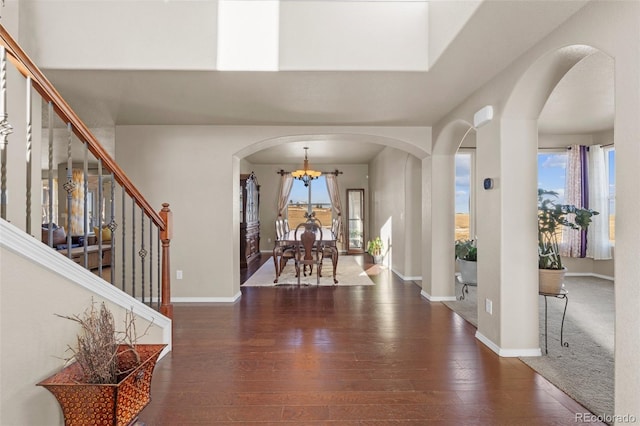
pixel 493 37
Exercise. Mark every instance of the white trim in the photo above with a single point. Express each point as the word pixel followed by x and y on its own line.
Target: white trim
pixel 507 353
pixel 589 274
pixel 403 278
pixel 431 298
pixel 207 299
pixel 25 245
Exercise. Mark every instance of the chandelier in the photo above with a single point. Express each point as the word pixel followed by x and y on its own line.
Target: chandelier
pixel 305 174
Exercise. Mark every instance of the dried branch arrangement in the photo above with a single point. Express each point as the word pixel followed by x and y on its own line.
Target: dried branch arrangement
pixel 98 343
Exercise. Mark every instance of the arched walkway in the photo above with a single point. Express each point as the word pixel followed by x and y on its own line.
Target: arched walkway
pixel 393 174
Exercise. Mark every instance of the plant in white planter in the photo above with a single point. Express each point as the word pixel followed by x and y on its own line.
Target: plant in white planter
pixel 467 259
pixel 374 248
pixel 551 218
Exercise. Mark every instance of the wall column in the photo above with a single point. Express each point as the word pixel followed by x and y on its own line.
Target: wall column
pixel 507 237
pixel 438 227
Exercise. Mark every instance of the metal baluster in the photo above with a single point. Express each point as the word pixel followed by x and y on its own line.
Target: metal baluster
pixel 133 248
pixel 50 180
pixel 28 154
pixel 142 253
pixel 69 186
pixel 159 275
pixel 5 130
pixel 112 226
pixel 85 172
pixel 124 254
pixel 99 214
pixel 150 262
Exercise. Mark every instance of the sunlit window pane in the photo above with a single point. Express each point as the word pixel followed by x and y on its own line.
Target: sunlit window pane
pixel 299 202
pixel 463 195
pixel 611 174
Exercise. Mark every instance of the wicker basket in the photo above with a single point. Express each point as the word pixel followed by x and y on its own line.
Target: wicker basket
pixel 551 281
pixel 106 404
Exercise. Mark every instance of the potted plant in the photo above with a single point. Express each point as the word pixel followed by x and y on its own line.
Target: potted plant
pixel 552 218
pixel 467 259
pixel 374 248
pixel 109 379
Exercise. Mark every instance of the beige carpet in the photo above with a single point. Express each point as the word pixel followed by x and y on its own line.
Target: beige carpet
pixel 348 273
pixel 584 369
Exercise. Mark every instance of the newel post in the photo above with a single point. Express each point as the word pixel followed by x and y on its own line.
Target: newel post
pixel 166 308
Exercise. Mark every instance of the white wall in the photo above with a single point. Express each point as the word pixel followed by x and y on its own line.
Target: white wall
pixel 105 34
pixel 394 209
pixel 327 35
pixel 446 19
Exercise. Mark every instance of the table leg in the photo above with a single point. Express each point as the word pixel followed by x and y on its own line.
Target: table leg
pixel 276 263
pixel 334 260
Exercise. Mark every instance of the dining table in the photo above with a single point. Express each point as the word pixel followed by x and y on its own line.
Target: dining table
pixel 327 239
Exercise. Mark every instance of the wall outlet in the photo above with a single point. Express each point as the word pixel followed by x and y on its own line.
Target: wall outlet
pixel 488 306
pixel 178 274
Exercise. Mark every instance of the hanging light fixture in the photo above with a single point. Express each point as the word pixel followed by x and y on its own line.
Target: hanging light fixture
pixel 305 174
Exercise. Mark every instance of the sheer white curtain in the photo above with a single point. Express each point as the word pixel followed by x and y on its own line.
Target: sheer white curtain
pixel 286 183
pixel 334 194
pixel 598 245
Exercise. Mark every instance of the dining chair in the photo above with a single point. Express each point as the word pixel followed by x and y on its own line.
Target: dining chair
pixel 308 249
pixel 330 250
pixel 282 253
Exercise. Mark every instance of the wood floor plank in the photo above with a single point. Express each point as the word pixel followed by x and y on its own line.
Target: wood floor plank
pixel 376 355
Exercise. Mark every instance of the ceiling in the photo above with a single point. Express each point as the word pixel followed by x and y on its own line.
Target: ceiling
pixel 582 101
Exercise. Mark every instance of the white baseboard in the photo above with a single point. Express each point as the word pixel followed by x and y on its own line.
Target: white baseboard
pixel 507 353
pixel 403 278
pixel 590 274
pixel 206 299
pixel 431 298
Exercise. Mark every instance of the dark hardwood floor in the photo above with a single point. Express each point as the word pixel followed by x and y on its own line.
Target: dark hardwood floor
pixel 342 355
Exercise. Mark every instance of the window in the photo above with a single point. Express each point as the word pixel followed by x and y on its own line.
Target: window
pixel 552 166
pixel 610 159
pixel 551 172
pixel 299 202
pixel 551 176
pixel 464 195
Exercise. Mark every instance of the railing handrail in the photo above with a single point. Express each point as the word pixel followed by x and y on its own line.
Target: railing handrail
pixel 27 68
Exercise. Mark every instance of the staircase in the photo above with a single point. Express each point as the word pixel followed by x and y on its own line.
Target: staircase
pixel 73 229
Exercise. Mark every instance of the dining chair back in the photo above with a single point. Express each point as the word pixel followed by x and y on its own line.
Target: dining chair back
pixel 308 249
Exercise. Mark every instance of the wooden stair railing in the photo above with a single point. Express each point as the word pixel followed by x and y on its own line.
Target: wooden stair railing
pixel 161 220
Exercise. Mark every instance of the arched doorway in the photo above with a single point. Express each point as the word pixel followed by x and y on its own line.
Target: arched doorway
pixel 382 165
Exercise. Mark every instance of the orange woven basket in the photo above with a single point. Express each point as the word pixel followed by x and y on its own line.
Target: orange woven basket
pixel 106 404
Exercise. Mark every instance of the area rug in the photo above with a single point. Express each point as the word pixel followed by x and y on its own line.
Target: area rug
pixel 348 273
pixel 584 369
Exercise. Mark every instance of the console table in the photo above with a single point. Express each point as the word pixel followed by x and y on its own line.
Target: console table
pixel 563 294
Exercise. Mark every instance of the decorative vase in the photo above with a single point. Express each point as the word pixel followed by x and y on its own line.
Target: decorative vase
pixel 106 404
pixel 377 258
pixel 468 271
pixel 551 281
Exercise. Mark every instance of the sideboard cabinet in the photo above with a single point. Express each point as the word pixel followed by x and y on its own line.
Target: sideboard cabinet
pixel 249 219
